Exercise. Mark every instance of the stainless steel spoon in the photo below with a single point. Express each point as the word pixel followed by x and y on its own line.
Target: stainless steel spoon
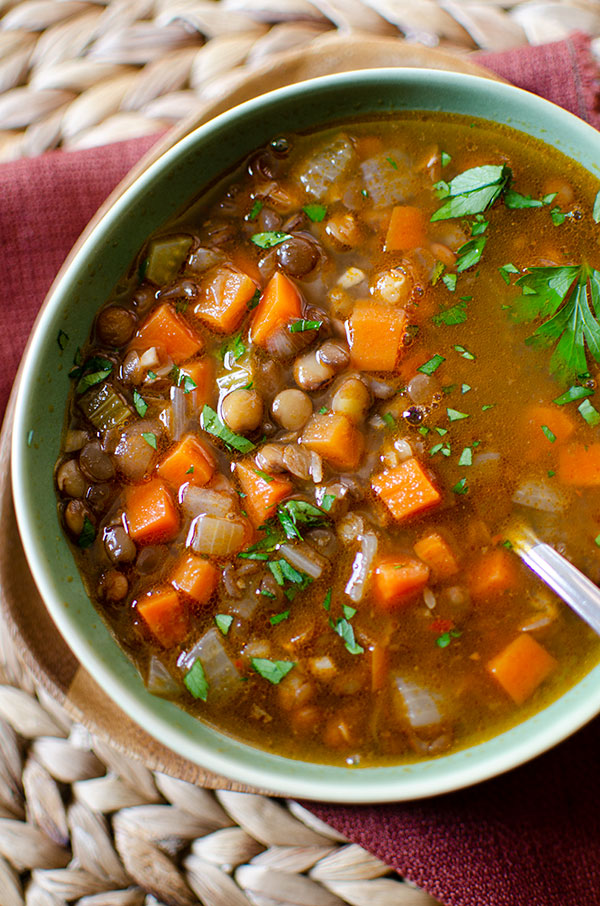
pixel 568 582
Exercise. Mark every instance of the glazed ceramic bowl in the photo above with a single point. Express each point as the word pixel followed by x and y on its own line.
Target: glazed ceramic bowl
pixel 160 192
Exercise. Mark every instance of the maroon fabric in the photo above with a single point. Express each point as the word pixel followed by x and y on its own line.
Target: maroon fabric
pixel 530 838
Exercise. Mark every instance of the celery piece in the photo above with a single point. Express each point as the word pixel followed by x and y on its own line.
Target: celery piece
pixel 104 407
pixel 165 257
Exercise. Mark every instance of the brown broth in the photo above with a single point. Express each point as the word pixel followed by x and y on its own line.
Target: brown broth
pixel 440 639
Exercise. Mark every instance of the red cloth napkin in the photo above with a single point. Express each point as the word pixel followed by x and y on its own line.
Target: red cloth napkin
pixel 530 838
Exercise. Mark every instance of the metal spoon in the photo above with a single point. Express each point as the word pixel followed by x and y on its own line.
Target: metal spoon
pixel 568 582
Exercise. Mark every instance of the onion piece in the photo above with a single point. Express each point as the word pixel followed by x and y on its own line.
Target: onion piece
pixel 304 558
pixel 205 502
pixel 179 418
pixel 363 561
pixel 417 705
pixel 133 454
pixel 216 536
pixel 538 494
pixel 158 679
pixel 220 671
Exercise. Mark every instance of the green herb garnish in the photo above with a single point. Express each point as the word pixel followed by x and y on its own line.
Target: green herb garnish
pixel 255 210
pixel 455 416
pixel 254 300
pixel 315 212
pixel 506 270
pixel 95 370
pixel 87 535
pixel 150 439
pixel 470 253
pixel 302 325
pixel 264 475
pixel 596 209
pixel 449 281
pixel 327 502
pixel 269 239
pixel 346 632
pixel 195 681
pixel 473 191
pixel 461 486
pixel 298 512
pixel 452 316
pixel 548 433
pixel 62 339
pixel 141 406
pixel 223 621
pixel 210 422
pixel 392 162
pixel 274 671
pixel 589 413
pixel 233 348
pixel 572 394
pixel 466 457
pixel 432 365
pixel 464 353
pixel 445 158
pixel 445 638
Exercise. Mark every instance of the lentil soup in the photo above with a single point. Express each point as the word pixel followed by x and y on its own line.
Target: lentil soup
pixel 304 418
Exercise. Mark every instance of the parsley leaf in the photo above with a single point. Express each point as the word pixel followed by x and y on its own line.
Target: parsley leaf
pixel 473 191
pixel 232 349
pixel 566 300
pixel 432 365
pixel 150 439
pixel 294 512
pixel 224 621
pixel 572 394
pixel 274 671
pixel 470 253
pixel 346 632
pixel 515 201
pixel 254 210
pixel 269 239
pixel 141 406
pixel 506 270
pixel 589 413
pixel 596 209
pixel 302 325
pixel 315 212
pixel 279 617
pixel 210 422
pixel 195 681
pixel 451 316
pixel 95 370
pixel 87 535
pixel 449 281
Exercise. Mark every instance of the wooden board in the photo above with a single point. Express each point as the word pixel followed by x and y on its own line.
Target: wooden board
pixel 31 629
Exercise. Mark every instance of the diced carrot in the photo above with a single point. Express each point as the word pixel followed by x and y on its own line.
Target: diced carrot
pixel 279 304
pixel 407 229
pixel 375 335
pixel 521 667
pixel 334 437
pixel 538 417
pixel 151 513
pixel 494 572
pixel 406 490
pixel 397 580
pixel 188 462
pixel 579 465
pixel 196 577
pixel 202 373
pixel 225 300
pixel 165 616
pixel 169 332
pixel 262 494
pixel 434 550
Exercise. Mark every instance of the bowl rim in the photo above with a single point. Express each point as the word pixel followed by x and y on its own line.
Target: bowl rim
pixel 259 768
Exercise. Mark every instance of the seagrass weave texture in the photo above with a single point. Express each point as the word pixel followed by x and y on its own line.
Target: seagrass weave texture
pixel 78 73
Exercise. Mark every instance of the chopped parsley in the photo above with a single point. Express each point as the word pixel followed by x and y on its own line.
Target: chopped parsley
pixel 566 300
pixel 464 353
pixel 62 339
pixel 210 422
pixel 279 617
pixel 548 433
pixel 461 486
pixel 506 270
pixel 572 394
pixel 596 209
pixel 597 540
pixel 452 316
pixel 473 191
pixel 141 406
pixel 150 439
pixel 87 535
pixel 30 437
pixel 255 210
pixel 224 621
pixel 466 457
pixel 95 370
pixel 190 471
pixel 269 239
pixel 464 388
pixel 273 671
pixel 389 420
pixel 315 212
pixel 455 416
pixel 264 475
pixel 445 158
pixel 195 681
pixel 449 281
pixel 432 365
pixel 254 300
pixel 344 629
pixel 328 501
pixel 295 512
pixel 392 162
pixel 445 638
pixel 181 379
pixel 589 413
pixel 470 253
pixel 232 349
pixel 302 325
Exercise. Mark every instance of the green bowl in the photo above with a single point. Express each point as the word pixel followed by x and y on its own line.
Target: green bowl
pixel 160 192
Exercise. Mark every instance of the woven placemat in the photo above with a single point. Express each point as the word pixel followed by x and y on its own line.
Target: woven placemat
pixel 79 822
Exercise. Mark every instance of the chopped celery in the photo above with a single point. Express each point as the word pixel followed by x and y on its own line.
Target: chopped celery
pixel 165 257
pixel 104 407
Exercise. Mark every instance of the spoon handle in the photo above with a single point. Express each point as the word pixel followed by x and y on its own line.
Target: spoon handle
pixel 566 580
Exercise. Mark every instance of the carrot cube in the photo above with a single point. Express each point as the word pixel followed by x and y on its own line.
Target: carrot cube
pixel 397 580
pixel 406 490
pixel 375 334
pixel 165 616
pixel 188 462
pixel 226 299
pixel 196 577
pixel 435 551
pixel 202 373
pixel 334 437
pixel 407 229
pixel 579 465
pixel 169 332
pixel 151 513
pixel 521 667
pixel 557 421
pixel 279 305
pixel 493 573
pixel 262 494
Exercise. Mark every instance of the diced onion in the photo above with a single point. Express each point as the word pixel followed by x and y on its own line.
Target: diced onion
pixel 355 587
pixel 417 704
pixel 220 671
pixel 205 502
pixel 216 537
pixel 304 558
pixel 133 454
pixel 538 494
pixel 158 679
